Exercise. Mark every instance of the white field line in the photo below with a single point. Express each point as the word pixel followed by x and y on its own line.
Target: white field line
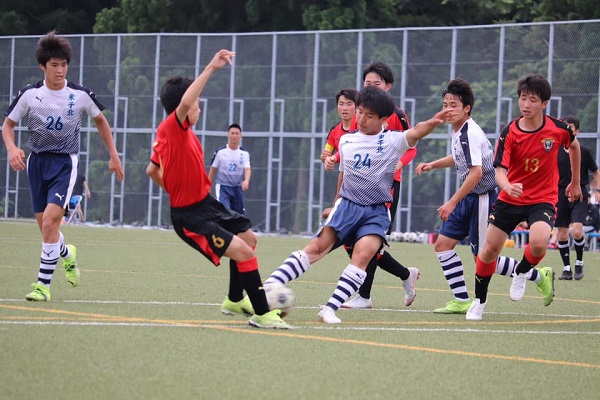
pixel 311 326
pixel 393 310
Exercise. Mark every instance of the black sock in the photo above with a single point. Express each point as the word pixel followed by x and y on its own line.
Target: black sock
pixel 481 287
pixel 365 289
pixel 563 250
pixel 254 287
pixel 523 266
pixel 236 291
pixel 579 244
pixel 391 265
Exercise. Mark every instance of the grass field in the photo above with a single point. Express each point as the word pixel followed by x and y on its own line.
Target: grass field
pixel 145 324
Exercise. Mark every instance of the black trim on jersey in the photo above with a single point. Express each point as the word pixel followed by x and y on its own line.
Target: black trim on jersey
pixel 402 117
pixel 39 84
pixel 218 149
pixel 20 94
pixel 87 90
pixel 464 143
pixel 500 147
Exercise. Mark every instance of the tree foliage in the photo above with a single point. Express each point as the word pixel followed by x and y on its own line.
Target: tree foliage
pixel 29 17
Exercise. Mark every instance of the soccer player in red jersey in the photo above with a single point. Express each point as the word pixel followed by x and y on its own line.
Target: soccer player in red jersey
pixel 177 165
pixel 346 106
pixel 527 175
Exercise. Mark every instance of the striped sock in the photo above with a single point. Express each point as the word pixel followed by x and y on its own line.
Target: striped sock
pixel 454 273
pixel 293 267
pixel 48 260
pixel 350 281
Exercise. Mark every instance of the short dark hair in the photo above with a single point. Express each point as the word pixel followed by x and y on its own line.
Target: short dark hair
pixel 172 91
pixel 535 84
pixel 234 125
pixel 381 69
pixel 571 119
pixel 461 89
pixel 376 100
pixel 350 94
pixel 53 46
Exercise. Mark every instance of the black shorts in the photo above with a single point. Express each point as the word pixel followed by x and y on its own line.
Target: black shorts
pixel 567 212
pixel 208 226
pixel 507 216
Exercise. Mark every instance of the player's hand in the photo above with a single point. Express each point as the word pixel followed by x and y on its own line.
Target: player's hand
pixel 221 58
pixel 573 192
pixel 423 167
pixel 16 158
pixel 115 166
pixel 329 163
pixel 514 189
pixel 440 117
pixel 245 186
pixel 326 212
pixel 445 210
pixel 324 154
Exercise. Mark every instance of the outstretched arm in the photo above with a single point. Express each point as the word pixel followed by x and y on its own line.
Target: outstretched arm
pixel 424 128
pixel 192 93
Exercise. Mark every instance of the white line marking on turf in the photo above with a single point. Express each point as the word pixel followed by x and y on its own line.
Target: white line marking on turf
pixel 394 310
pixel 349 328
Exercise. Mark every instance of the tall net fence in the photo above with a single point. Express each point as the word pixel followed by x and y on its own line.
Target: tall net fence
pixel 281 90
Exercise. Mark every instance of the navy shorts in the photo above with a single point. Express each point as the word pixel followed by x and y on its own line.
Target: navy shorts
pixel 231 197
pixel 352 221
pixel 208 226
pixel 470 219
pixel 507 216
pixel 51 179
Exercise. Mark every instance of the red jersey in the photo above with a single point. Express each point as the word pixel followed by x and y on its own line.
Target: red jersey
pixel 398 121
pixel 178 153
pixel 530 158
pixel 333 138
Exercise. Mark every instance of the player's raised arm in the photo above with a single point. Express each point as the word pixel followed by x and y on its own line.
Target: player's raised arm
pixel 190 97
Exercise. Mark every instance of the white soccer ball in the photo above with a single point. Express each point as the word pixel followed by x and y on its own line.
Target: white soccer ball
pixel 412 237
pixel 280 297
pixel 396 236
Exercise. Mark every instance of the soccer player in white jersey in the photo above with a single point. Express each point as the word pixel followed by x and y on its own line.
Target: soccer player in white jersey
pixel 54 108
pixel 359 217
pixel 465 214
pixel 230 171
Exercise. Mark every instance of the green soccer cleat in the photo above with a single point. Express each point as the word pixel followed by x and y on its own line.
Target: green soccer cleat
pixel 270 320
pixel 546 285
pixel 40 293
pixel 455 307
pixel 71 270
pixel 243 307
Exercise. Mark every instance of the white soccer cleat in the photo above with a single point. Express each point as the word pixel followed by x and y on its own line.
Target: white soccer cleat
pixel 358 303
pixel 517 287
pixel 475 312
pixel 327 315
pixel 410 286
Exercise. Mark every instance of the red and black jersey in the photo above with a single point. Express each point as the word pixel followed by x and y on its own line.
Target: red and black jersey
pixel 531 159
pixel 178 153
pixel 333 138
pixel 398 121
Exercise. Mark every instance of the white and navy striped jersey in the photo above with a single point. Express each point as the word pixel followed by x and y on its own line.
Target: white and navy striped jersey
pixel 368 163
pixel 54 116
pixel 230 165
pixel 470 148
